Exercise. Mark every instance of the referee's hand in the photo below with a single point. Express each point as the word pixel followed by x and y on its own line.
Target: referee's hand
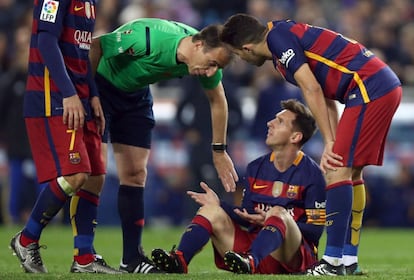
pixel 225 169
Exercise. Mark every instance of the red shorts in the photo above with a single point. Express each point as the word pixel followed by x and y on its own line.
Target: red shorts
pixel 362 130
pixel 58 151
pixel 242 242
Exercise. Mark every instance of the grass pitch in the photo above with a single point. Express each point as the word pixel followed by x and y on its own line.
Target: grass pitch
pixel 384 254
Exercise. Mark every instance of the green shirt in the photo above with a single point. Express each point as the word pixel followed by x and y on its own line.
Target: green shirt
pixel 143 52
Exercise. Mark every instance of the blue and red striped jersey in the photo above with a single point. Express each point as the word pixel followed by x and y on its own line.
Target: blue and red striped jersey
pixel 300 189
pixel 72 22
pixel 346 70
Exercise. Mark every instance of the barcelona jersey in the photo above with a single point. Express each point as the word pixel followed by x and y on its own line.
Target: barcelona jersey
pixel 72 22
pixel 300 190
pixel 345 69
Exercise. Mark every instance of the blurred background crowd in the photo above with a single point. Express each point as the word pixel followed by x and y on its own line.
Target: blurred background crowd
pixel 181 156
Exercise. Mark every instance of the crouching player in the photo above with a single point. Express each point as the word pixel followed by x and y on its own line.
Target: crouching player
pixel 278 226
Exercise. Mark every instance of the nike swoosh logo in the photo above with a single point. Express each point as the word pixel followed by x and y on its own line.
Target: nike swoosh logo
pixel 259 186
pixel 77 9
pixel 331 214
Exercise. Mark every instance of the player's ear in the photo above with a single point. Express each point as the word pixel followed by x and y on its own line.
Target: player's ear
pixel 296 137
pixel 247 47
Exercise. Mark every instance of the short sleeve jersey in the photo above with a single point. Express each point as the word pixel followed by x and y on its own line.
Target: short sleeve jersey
pixel 346 70
pixel 300 189
pixel 72 22
pixel 143 52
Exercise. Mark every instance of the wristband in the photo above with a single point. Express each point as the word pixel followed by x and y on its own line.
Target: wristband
pixel 218 147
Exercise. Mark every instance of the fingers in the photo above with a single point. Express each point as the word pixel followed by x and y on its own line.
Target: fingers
pixel 74 119
pixel 228 181
pixel 77 121
pixel 331 162
pixel 204 186
pixel 101 125
pixel 226 171
pixel 235 176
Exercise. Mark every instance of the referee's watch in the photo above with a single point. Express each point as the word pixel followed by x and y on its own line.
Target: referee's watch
pixel 219 147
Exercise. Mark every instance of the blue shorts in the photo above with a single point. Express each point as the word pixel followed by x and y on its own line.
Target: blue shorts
pixel 128 115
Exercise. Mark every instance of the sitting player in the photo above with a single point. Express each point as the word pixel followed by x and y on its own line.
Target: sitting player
pixel 277 228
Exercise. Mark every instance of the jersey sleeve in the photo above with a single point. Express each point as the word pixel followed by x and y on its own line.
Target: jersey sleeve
pixel 130 41
pixel 211 82
pixel 286 46
pixel 315 203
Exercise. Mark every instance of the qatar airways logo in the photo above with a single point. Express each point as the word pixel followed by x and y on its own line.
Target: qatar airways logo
pixel 83 39
pixel 286 57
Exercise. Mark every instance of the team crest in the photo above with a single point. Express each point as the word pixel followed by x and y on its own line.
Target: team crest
pixel 74 157
pixel 277 188
pixel 292 191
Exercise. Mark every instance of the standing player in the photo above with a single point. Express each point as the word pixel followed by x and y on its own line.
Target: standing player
pixel 277 228
pixel 328 67
pixel 128 60
pixel 64 121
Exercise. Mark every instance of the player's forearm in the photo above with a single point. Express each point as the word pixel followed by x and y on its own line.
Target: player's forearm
pixel 53 59
pixel 333 114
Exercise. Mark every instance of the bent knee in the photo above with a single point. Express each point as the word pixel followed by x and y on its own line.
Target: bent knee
pixel 214 213
pixel 280 212
pixel 75 181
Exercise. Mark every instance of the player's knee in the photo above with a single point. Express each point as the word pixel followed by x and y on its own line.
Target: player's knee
pixel 94 184
pixel 280 212
pixel 214 213
pixel 71 184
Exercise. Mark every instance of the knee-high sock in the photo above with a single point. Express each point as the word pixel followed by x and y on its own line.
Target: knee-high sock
pixel 131 212
pixel 47 205
pixel 83 215
pixel 355 223
pixel 270 237
pixel 195 237
pixel 338 211
pixel 16 189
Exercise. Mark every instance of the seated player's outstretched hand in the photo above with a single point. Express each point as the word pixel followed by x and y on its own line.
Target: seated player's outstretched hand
pixel 209 197
pixel 256 219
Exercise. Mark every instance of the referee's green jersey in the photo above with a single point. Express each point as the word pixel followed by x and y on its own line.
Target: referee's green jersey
pixel 143 52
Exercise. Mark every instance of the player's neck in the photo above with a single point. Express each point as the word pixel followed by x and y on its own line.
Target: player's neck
pixel 284 158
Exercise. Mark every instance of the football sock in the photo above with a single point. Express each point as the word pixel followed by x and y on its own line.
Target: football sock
pixel 48 204
pixel 269 238
pixel 338 211
pixel 131 212
pixel 355 224
pixel 83 214
pixel 17 187
pixel 195 237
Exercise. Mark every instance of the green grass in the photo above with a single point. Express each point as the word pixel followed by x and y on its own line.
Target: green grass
pixel 385 254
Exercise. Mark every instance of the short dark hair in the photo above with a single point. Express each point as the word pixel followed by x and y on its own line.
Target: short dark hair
pixel 210 35
pixel 241 29
pixel 304 121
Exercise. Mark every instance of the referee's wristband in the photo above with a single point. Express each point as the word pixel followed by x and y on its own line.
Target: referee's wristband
pixel 218 147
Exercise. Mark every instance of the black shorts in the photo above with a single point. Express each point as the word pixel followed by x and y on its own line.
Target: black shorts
pixel 129 116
